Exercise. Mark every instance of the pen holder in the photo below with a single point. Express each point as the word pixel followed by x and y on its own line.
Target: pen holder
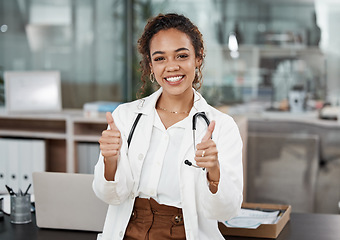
pixel 21 209
pixel 1 214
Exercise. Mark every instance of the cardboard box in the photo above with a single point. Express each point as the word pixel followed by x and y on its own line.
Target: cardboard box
pixel 264 230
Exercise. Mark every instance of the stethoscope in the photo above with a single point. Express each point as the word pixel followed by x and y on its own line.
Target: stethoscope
pixel 194 121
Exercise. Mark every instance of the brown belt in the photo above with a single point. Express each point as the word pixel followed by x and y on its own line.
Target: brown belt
pixel 152 221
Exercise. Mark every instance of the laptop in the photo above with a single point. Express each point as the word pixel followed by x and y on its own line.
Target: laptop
pixel 67 201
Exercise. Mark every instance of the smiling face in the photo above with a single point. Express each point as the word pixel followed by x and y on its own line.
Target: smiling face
pixel 173 61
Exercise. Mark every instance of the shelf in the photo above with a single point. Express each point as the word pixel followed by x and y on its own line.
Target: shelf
pixel 32 134
pixel 87 138
pixel 89 128
pixel 33 125
pixel 62 131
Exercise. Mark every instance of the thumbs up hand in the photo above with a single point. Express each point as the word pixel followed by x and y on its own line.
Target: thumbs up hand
pixel 206 155
pixel 209 132
pixel 110 144
pixel 110 141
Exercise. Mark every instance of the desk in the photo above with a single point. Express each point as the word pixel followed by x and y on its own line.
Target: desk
pixel 30 231
pixel 300 227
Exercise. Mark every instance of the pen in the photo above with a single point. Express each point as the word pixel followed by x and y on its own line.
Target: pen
pixel 27 189
pixel 10 191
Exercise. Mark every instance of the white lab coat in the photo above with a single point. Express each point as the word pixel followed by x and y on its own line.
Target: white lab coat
pixel 200 207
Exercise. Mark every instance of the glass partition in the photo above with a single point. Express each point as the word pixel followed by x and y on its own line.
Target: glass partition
pixel 93 44
pixel 83 39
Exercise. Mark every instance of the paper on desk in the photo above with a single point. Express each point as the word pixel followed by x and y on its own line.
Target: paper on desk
pixel 248 218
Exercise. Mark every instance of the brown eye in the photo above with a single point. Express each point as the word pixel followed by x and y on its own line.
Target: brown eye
pixel 182 56
pixel 158 59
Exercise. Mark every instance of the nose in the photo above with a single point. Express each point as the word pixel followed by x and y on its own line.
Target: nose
pixel 172 66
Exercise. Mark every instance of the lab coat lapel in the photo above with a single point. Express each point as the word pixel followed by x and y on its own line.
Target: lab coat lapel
pixel 144 129
pixel 145 132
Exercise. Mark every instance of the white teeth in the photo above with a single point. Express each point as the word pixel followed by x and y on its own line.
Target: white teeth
pixel 174 79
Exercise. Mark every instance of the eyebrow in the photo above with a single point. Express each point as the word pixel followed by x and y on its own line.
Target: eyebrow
pixel 177 50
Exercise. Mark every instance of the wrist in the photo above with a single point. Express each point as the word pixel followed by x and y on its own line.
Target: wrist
pixel 213 174
pixel 213 185
pixel 212 181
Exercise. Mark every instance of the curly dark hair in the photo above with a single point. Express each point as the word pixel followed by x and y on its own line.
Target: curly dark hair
pixel 165 22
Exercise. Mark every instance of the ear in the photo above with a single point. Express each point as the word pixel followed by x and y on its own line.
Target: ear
pixel 151 68
pixel 199 60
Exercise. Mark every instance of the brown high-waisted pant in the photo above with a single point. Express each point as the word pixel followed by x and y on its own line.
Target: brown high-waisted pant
pixel 153 221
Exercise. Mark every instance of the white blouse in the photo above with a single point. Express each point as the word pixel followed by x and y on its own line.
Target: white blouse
pixel 160 173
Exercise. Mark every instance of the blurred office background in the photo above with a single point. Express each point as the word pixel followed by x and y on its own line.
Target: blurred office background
pixel 259 53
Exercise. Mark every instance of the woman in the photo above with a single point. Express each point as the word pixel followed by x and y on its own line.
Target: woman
pixel 152 193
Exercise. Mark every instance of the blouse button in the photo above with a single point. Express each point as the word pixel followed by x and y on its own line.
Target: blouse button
pixel 140 156
pixel 121 233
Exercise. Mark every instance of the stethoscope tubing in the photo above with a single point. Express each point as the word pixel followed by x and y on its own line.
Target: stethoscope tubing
pixel 194 121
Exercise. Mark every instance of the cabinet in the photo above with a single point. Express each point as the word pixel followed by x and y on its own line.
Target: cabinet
pixel 61 131
pixel 66 131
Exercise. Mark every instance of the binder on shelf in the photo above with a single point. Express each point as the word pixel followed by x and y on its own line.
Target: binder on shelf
pixel 38 160
pixel 12 158
pixel 3 166
pixel 25 166
pixel 18 159
pixel 88 154
pixel 94 153
pixel 82 155
pixel 34 162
